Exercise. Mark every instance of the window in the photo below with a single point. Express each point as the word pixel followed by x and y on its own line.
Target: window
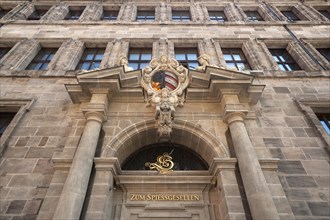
pixel 73 14
pixel 138 58
pixel 284 60
pixel 91 59
pixel 109 15
pixel 217 16
pixel 235 59
pixel 325 52
pixel 325 121
pixel 5 120
pixel 145 16
pixel 3 12
pixel 290 16
pixel 180 15
pixel 325 13
pixel 37 14
pixel 43 58
pixel 253 16
pixel 187 57
pixel 3 51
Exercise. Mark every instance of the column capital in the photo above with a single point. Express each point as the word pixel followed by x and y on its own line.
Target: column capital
pixel 96 109
pixel 231 117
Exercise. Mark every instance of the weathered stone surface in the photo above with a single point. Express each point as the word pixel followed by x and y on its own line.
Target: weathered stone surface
pixel 301 181
pixel 16 207
pixel 319 208
pixel 291 167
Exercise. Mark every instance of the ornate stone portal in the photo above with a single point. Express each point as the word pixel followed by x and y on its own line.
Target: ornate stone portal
pixel 164 82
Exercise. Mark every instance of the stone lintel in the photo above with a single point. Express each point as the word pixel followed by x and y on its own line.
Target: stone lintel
pixel 219 164
pixel 108 164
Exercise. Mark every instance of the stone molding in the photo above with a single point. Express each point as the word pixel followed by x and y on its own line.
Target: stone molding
pixel 57 12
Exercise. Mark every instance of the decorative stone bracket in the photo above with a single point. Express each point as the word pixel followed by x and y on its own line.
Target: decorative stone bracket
pixel 164 82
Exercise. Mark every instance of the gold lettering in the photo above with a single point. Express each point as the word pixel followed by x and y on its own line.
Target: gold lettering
pixel 132 197
pixel 148 197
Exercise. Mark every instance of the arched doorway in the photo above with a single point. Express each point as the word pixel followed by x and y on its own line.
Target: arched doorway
pixel 191 191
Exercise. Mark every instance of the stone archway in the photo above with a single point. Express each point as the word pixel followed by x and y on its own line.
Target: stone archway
pixel 185 133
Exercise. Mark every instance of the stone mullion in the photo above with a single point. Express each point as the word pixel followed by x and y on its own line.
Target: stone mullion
pixel 241 13
pixel 163 12
pixel 250 48
pixel 74 191
pixel 304 11
pixel 232 13
pixel 161 47
pixel 169 12
pixel 128 12
pixel 158 12
pixel 20 12
pixel 23 54
pixel 57 12
pixel 197 13
pixel 277 12
pixel 300 56
pixel 205 13
pixel 221 60
pixel 206 46
pixel 69 55
pixel 121 13
pixel 257 192
pixel 170 49
pixel 321 59
pixel 106 57
pixel 269 62
pixel 118 49
pixel 317 16
pixel 263 10
pixel 92 12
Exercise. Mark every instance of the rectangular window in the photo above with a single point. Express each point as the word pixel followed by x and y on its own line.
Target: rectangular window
pixel 235 59
pixel 187 57
pixel 43 58
pixel 290 16
pixel 325 121
pixel 145 16
pixel 138 58
pixel 37 14
pixel 325 52
pixel 73 14
pixel 180 15
pixel 325 13
pixel 3 12
pixel 91 59
pixel 5 119
pixel 109 15
pixel 217 16
pixel 253 16
pixel 3 51
pixel 284 60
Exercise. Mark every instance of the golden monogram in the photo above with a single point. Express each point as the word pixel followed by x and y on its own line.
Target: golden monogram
pixel 163 165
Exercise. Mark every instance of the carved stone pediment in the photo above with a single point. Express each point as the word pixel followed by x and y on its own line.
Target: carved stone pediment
pixel 164 82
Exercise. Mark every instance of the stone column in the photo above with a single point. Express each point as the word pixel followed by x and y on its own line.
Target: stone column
pixel 74 191
pixel 257 192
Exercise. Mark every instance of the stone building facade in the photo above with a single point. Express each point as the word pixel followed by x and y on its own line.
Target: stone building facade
pixel 246 129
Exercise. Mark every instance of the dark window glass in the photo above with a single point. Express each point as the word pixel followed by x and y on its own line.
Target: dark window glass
pixel 325 121
pixel 73 14
pixel 3 51
pixel 235 58
pixel 138 58
pixel 180 15
pixel 217 16
pixel 91 59
pixel 290 16
pixel 3 12
pixel 183 158
pixel 43 58
pixel 325 52
pixel 325 13
pixel 187 57
pixel 110 15
pixel 253 16
pixel 5 119
pixel 284 60
pixel 37 14
pixel 145 16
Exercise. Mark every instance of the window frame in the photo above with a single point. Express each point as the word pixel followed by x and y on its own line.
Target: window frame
pixel 72 14
pixel 4 51
pixel 187 61
pixel 324 117
pixel 221 17
pixel 4 12
pixel 142 15
pixel 37 14
pixel 140 51
pixel 325 54
pixel 325 13
pixel 253 16
pixel 113 15
pixel 181 15
pixel 290 19
pixel 232 52
pixel 38 62
pixel 279 53
pixel 83 59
